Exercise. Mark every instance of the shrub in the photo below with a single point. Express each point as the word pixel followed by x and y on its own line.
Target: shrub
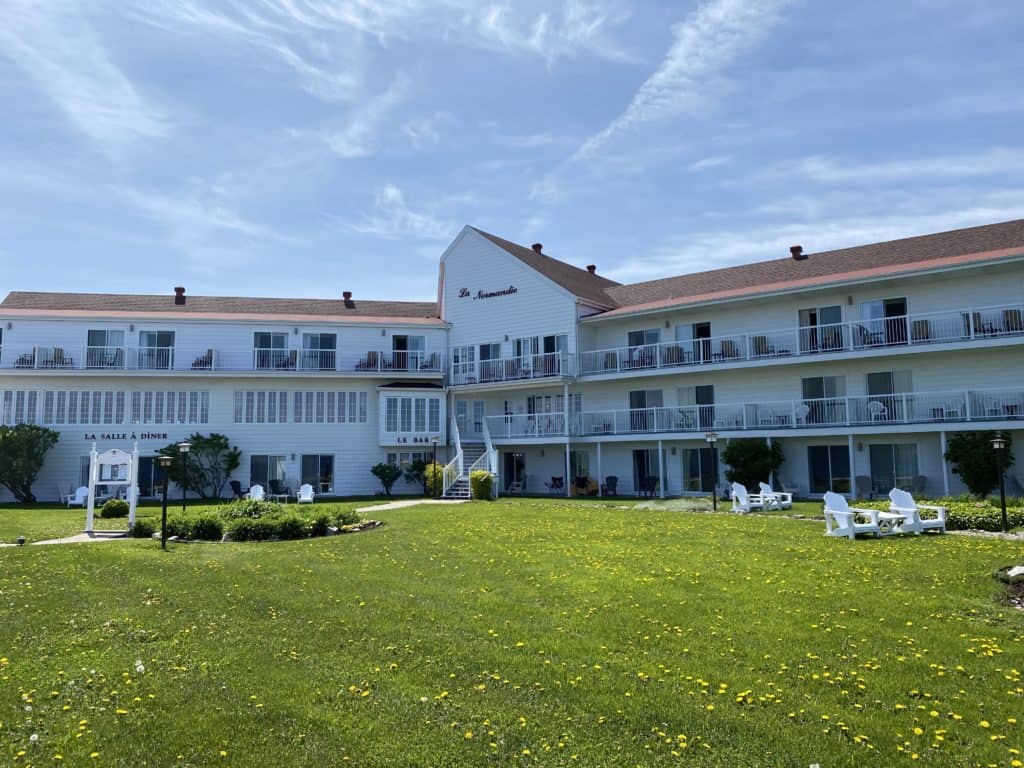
pixel 289 526
pixel 248 508
pixel 974 459
pixel 319 525
pixel 179 525
pixel 250 529
pixel 481 483
pixel 114 508
pixel 387 474
pixel 751 461
pixel 207 526
pixel 346 517
pixel 433 479
pixel 143 529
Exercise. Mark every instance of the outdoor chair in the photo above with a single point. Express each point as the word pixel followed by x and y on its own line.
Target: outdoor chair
pixel 611 486
pixel 305 494
pixel 204 362
pixel 556 484
pixel 743 501
pixel 902 503
pixel 649 485
pixel 255 493
pixel 775 499
pixel 841 519
pixel 236 488
pixel 877 411
pixel 79 498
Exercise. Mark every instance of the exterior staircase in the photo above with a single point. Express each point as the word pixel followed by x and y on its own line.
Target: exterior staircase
pixel 470 453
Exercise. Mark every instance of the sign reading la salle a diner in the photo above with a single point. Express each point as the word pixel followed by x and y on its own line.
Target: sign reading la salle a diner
pixel 125 436
pixel 465 293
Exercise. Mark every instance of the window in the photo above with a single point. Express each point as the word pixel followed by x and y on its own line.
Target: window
pixel 18 406
pixel 646 476
pixel 643 405
pixel 824 397
pixel 490 351
pixel 317 469
pixel 319 351
pixel 464 365
pixel 264 468
pixel 405 458
pixel 407 352
pixel 271 350
pixel 821 329
pixel 698 470
pixel 828 468
pixel 893 466
pixel 579 464
pixel 434 414
pixel 698 404
pixel 646 336
pixel 105 349
pixel 883 321
pixel 526 346
pixel 156 350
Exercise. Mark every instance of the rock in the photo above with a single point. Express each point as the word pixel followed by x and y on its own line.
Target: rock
pixel 1012 575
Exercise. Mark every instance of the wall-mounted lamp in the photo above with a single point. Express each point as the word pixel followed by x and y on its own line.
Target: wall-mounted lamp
pixel 131 328
pixel 506 337
pixel 10 325
pixel 295 331
pixel 668 324
pixel 383 331
pixel 293 457
pixel 673 450
pixel 860 447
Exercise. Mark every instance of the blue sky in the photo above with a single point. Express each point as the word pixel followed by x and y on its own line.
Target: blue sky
pixel 306 147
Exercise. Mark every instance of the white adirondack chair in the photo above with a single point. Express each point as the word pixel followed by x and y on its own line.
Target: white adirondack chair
pixel 902 503
pixel 744 502
pixel 79 498
pixel 305 494
pixel 256 493
pixel 841 518
pixel 775 499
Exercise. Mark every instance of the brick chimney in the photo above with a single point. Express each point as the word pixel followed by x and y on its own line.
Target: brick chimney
pixel 797 252
pixel 347 297
pixel 179 295
pixel 592 269
pixel 537 248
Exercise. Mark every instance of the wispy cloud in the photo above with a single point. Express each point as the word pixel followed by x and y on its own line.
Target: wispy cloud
pixel 393 219
pixel 997 161
pixel 703 45
pixel 360 131
pixel 710 162
pixel 424 131
pixel 57 48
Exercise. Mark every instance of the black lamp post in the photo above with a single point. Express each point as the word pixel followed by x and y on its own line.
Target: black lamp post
pixel 165 464
pixel 712 440
pixel 999 445
pixel 183 449
pixel 433 469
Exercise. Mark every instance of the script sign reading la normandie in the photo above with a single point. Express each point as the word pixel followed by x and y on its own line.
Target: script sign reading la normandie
pixel 465 292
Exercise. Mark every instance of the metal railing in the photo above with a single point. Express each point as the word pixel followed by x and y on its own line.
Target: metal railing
pixel 540 366
pixel 453 469
pixel 905 330
pixel 856 410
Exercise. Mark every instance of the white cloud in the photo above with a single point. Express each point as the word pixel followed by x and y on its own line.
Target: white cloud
pixel 825 170
pixel 360 131
pixel 423 131
pixel 393 219
pixel 710 162
pixel 57 48
pixel 758 242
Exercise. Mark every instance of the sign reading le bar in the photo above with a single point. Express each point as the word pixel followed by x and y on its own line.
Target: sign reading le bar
pixel 464 292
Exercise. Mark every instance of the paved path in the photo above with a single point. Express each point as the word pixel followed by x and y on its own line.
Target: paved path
pixel 79 538
pixel 409 503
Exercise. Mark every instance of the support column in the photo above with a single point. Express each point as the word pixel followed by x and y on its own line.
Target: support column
pixel 853 466
pixel 771 475
pixel 600 473
pixel 661 471
pixel 945 464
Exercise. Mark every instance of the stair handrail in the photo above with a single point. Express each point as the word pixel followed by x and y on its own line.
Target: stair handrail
pixel 489 451
pixel 453 469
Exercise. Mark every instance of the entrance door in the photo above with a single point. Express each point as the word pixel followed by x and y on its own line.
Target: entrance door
pixel 151 477
pixel 828 468
pixel 698 470
pixel 645 470
pixel 514 465
pixel 702 342
pixel 478 417
pixel 643 405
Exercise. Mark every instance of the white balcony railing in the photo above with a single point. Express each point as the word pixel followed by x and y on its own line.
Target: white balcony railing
pixel 905 330
pixel 539 366
pixel 951 407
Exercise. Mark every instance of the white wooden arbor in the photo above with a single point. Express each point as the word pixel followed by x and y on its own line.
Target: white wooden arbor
pixel 114 467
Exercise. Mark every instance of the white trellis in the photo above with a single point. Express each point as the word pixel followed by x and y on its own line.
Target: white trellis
pixel 113 468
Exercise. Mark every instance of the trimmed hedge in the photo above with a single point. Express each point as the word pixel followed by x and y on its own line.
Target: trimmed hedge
pixel 114 508
pixel 257 521
pixel 249 508
pixel 964 515
pixel 481 484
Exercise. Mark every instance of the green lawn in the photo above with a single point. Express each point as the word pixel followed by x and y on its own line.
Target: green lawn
pixel 518 632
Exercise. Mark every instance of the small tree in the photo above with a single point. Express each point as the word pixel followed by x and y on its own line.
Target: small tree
pixel 433 479
pixel 387 474
pixel 23 449
pixel 208 465
pixel 751 461
pixel 974 459
pixel 416 473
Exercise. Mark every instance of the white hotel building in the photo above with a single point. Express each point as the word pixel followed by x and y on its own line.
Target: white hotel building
pixel 859 362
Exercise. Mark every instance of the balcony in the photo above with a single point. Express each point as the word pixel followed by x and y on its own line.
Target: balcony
pixel 953 407
pixel 526 367
pixel 963 325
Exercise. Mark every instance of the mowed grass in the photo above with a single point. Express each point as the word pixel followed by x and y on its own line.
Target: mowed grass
pixel 520 632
